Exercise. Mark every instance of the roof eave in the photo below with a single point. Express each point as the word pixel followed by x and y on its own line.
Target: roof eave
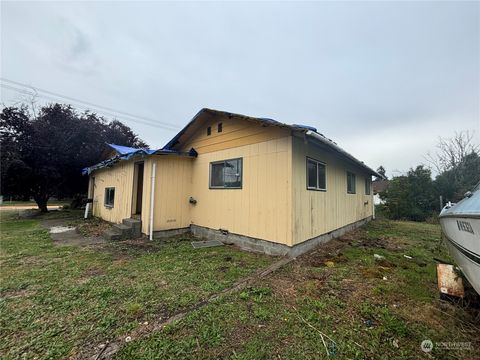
pixel 345 154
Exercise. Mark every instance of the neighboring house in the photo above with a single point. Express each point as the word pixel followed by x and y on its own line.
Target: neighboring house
pixel 379 186
pixel 263 185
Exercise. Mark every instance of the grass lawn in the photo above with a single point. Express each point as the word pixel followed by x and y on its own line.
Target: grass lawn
pixel 338 293
pixel 57 300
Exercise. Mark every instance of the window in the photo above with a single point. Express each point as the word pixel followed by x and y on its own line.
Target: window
pixel 209 130
pixel 226 174
pixel 351 182
pixel 368 186
pixel 109 197
pixel 220 127
pixel 316 175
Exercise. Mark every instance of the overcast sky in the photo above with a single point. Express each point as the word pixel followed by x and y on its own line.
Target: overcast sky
pixel 382 79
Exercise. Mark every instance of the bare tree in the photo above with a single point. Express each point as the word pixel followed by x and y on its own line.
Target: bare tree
pixel 452 151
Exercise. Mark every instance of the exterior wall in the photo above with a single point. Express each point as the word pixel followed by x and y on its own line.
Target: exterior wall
pixel 120 177
pixel 273 203
pixel 173 185
pixel 173 181
pixel 235 133
pixel 262 208
pixel 319 212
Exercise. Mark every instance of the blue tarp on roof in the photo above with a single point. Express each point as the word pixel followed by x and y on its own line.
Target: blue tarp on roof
pixel 123 150
pixel 308 130
pixel 125 153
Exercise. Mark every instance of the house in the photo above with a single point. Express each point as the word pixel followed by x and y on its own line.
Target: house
pixel 255 182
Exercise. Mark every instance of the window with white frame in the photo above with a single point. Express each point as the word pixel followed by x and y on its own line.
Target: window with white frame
pixel 351 180
pixel 316 175
pixel 109 197
pixel 226 174
pixel 368 185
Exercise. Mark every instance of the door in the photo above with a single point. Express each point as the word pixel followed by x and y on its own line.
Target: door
pixel 138 189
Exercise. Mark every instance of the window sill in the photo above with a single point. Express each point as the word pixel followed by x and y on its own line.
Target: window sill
pixel 225 188
pixel 315 189
pixel 109 206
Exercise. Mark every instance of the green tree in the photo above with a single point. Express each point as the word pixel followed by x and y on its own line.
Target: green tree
pixel 43 155
pixel 411 196
pixel 455 182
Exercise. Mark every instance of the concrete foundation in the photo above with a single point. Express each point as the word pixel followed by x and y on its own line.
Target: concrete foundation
pixel 271 248
pixel 167 233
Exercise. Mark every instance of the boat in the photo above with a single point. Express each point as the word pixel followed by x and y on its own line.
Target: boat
pixel 461 226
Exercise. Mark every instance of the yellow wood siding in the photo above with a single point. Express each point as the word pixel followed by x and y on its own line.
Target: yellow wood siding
pixel 262 208
pixel 319 212
pixel 172 191
pixel 120 177
pixel 273 203
pixel 235 133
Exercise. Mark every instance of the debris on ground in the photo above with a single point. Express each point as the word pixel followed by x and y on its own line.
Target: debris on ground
pixel 378 257
pixel 60 229
pixel 205 244
pixel 450 282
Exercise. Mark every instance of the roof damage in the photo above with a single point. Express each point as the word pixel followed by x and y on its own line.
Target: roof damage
pixel 125 153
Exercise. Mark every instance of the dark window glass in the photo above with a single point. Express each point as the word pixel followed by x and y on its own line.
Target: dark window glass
pixel 312 174
pixel 216 177
pixel 351 183
pixel 322 179
pixel 209 130
pixel 220 127
pixel 226 174
pixel 316 175
pixel 109 197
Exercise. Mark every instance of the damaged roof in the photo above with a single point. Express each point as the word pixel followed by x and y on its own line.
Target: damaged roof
pixel 125 153
pixel 309 131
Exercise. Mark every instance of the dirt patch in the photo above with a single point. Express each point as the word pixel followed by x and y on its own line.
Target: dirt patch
pixel 63 233
pixel 13 294
pixel 33 260
pixel 359 238
pixel 129 249
pixel 93 227
pixel 73 238
pixel 329 252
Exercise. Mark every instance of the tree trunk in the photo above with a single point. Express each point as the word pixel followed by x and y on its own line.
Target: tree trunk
pixel 41 202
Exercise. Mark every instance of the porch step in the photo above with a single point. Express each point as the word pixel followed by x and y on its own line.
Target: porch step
pixel 128 229
pixel 135 225
pixel 112 235
pixel 124 230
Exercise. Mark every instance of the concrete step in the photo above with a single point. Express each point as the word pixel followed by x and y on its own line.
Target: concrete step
pixel 124 230
pixel 112 235
pixel 135 225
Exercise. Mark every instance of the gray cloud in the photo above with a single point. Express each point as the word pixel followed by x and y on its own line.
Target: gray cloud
pixel 384 80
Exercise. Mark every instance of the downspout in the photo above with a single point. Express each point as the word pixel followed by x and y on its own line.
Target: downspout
pixel 373 206
pixel 152 197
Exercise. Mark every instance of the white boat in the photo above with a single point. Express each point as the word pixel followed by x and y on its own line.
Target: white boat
pixel 461 226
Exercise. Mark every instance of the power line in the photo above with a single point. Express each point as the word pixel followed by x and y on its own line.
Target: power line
pixel 25 92
pixel 99 108
pixel 89 103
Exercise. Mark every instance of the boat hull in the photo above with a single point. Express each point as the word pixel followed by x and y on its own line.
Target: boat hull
pixel 463 240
